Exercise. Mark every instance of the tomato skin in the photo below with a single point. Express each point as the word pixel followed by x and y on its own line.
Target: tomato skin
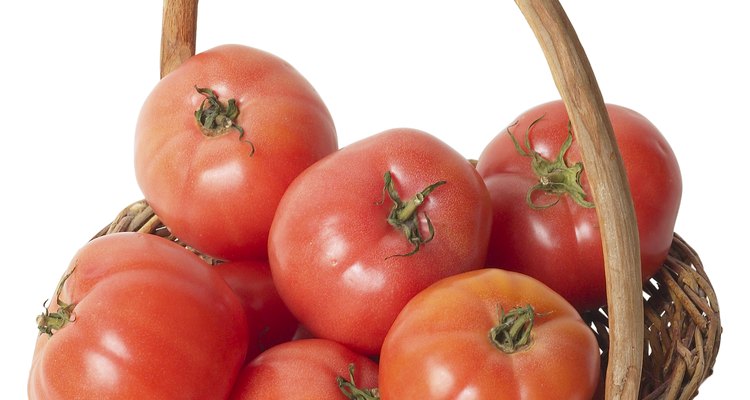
pixel 439 347
pixel 218 194
pixel 151 321
pixel 561 245
pixel 336 260
pixel 303 369
pixel 270 321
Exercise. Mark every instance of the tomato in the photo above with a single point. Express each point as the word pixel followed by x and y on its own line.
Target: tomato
pixel 551 231
pixel 306 369
pixel 220 138
pixel 147 320
pixel 489 334
pixel 270 321
pixel 363 230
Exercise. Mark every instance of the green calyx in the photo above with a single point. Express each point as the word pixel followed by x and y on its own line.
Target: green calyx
pixel 216 118
pixel 513 331
pixel 352 392
pixel 51 322
pixel 404 215
pixel 556 177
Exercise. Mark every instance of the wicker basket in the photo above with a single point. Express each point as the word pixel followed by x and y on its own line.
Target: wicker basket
pixel 659 340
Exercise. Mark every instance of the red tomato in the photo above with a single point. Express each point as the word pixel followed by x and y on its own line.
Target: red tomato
pixel 351 244
pixel 270 321
pixel 306 369
pixel 148 320
pixel 489 334
pixel 216 183
pixel 558 240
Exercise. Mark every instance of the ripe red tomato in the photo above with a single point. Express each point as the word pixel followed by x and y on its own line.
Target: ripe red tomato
pixel 363 230
pixel 270 321
pixel 215 176
pixel 489 334
pixel 148 320
pixel 549 231
pixel 306 369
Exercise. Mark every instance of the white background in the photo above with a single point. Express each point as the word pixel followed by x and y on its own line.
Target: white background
pixel 74 75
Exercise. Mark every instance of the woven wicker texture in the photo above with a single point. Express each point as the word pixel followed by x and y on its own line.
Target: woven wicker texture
pixel 682 327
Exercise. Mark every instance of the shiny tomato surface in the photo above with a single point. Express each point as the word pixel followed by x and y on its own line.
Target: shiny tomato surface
pixel 449 343
pixel 147 320
pixel 550 231
pixel 366 228
pixel 216 181
pixel 305 369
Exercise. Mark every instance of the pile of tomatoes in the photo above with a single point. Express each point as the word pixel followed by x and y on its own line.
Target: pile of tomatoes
pixel 391 268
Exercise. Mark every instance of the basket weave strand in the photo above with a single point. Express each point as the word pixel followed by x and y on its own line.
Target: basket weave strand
pixel 682 327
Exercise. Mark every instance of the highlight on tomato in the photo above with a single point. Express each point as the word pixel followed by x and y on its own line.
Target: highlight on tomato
pixel 544 220
pixel 489 334
pixel 220 138
pixel 360 232
pixel 138 317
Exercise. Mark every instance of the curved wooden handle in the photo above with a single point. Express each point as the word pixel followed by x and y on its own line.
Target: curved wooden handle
pixel 179 26
pixel 579 90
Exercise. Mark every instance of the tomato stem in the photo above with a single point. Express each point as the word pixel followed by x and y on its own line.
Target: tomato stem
pixel 556 177
pixel 51 322
pixel 352 392
pixel 216 119
pixel 404 215
pixel 513 331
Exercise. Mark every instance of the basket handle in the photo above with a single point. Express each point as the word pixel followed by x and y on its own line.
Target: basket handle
pixel 579 90
pixel 179 26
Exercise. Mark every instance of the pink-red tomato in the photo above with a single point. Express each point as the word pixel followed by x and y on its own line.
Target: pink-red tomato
pixel 350 243
pixel 215 179
pixel 558 240
pixel 305 369
pixel 489 334
pixel 147 320
pixel 270 321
